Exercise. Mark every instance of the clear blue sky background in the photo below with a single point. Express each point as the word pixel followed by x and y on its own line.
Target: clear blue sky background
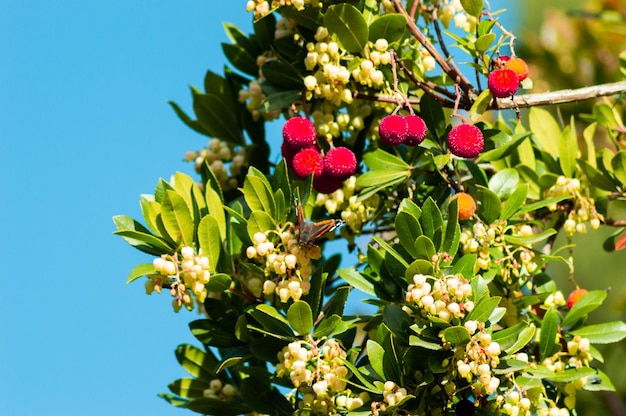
pixel 85 129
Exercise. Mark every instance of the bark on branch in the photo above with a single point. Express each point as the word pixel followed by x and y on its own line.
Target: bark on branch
pixel 560 97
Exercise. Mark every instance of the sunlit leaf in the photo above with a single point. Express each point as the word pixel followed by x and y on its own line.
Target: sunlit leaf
pixel 348 25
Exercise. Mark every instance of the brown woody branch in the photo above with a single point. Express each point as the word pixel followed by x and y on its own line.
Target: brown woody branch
pixel 560 97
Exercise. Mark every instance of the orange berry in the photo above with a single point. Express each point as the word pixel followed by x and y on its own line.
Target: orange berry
pixel 575 296
pixel 466 205
pixel 519 66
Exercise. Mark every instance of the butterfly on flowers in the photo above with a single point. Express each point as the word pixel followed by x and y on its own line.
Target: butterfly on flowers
pixel 309 232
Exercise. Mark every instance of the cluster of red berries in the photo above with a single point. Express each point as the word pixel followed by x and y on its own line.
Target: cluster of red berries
pixel 302 153
pixel 395 129
pixel 504 80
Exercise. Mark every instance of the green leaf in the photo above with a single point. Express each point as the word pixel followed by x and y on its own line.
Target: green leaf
pixel 432 221
pixel 216 209
pixel 192 124
pixel 357 280
pixel 260 222
pixel 419 266
pixel 310 17
pixel 282 75
pixel 545 130
pixel 504 182
pixel 604 333
pixel 300 317
pixel 542 204
pixel 376 354
pixel 452 235
pixel 568 149
pixel 196 362
pixel 240 59
pixel 219 282
pixel 258 194
pixel 588 303
pixel 525 336
pixel 484 308
pixel 348 25
pixel 326 326
pixel 139 237
pixel 381 160
pixel 432 113
pixel 381 179
pixel 457 335
pixel 390 26
pixel 600 382
pixel 529 240
pixel 209 240
pixel 618 163
pixel 218 407
pixel 272 320
pixel 212 333
pixel 390 250
pixel 473 7
pixel 139 271
pixel 547 338
pixel 177 218
pixel 424 247
pixel 465 266
pixel 488 204
pixel 217 116
pixel 189 387
pixel 408 229
pixel 280 100
pixel 480 105
pixel 515 201
pixel 597 177
pixel 484 42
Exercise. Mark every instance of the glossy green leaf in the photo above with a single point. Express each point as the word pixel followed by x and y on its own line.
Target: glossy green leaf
pixel 483 309
pixel 348 25
pixel 568 149
pixel 465 266
pixel 530 239
pixel 300 317
pixel 408 229
pixel 192 124
pixel 212 333
pixel 508 336
pixel 196 362
pixel 515 201
pixel 432 221
pixel 547 338
pixel 588 303
pixel 139 237
pixel 484 42
pixel 260 222
pixel 597 177
pixel 240 59
pixel 209 240
pixel 282 75
pixel 326 326
pixel 219 282
pixel 424 247
pixel 488 204
pixel 473 7
pixel 419 266
pixel 452 235
pixel 218 407
pixel 618 163
pixel 217 117
pixel 357 280
pixel 604 333
pixel 216 209
pixel 379 160
pixel 381 178
pixel 189 387
pixel 433 115
pixel 376 354
pixel 236 36
pixel 139 271
pixel 457 335
pixel 280 100
pixel 504 183
pixel 542 204
pixel 388 248
pixel 599 382
pixel 389 26
pixel 272 320
pixel 310 17
pixel 480 105
pixel 545 130
pixel 177 218
pixel 258 194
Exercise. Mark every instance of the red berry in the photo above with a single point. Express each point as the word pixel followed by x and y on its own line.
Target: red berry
pixel 326 184
pixel 416 130
pixel 288 153
pixel 502 83
pixel 575 297
pixel 308 161
pixel 299 132
pixel 340 163
pixel 466 140
pixel 393 130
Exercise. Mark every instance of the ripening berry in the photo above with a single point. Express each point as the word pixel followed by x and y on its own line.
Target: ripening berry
pixel 502 83
pixel 465 140
pixel 465 204
pixel 393 129
pixel 326 184
pixel 340 163
pixel 416 130
pixel 299 132
pixel 519 66
pixel 308 161
pixel 575 296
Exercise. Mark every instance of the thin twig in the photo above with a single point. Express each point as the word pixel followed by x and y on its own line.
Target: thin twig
pixel 449 68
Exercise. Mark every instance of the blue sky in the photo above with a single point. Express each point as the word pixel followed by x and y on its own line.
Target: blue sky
pixel 85 129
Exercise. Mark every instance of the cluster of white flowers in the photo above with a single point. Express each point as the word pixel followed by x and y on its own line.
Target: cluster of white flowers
pixel 453 10
pixel 223 160
pixel 263 7
pixel 447 298
pixel 481 357
pixel 219 390
pixel 582 212
pixel 287 266
pixel 319 374
pixel 185 277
